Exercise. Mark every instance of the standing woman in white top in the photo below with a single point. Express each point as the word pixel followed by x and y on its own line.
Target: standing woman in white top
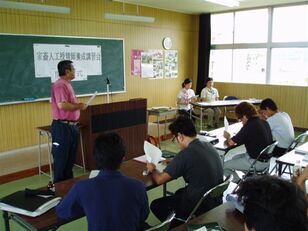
pixel 185 96
pixel 280 123
pixel 210 94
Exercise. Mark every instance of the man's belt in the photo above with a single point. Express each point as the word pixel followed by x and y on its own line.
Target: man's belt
pixel 68 122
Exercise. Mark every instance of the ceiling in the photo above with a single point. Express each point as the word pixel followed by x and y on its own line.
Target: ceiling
pixel 201 6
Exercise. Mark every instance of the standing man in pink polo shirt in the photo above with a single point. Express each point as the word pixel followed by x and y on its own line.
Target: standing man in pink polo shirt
pixel 64 128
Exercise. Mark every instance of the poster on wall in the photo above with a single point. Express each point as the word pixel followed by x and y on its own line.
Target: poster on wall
pixel 86 58
pixel 158 63
pixel 147 65
pixel 171 64
pixel 135 63
pixel 152 64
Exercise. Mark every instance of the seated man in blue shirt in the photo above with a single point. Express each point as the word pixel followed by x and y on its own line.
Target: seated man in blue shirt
pixel 198 163
pixel 110 201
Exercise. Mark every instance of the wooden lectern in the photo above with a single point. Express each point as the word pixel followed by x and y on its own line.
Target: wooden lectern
pixel 127 118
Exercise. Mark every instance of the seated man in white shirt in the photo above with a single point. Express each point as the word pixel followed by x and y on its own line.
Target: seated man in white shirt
pixel 280 124
pixel 210 94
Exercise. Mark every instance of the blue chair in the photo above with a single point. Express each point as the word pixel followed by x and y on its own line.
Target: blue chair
pixel 229 109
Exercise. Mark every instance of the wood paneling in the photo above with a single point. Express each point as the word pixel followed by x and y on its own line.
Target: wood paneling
pixel 291 99
pixel 18 122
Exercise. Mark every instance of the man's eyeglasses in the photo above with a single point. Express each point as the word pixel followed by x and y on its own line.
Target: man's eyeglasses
pixel 173 139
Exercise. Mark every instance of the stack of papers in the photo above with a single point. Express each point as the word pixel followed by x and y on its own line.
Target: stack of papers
pixel 302 149
pixel 213 226
pixel 210 139
pixel 160 108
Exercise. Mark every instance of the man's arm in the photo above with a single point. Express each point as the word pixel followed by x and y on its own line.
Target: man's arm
pixel 229 141
pixel 66 106
pixel 159 178
pixel 69 206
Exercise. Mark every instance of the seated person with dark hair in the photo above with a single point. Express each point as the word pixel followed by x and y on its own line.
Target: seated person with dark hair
pixel 280 123
pixel 255 135
pixel 272 204
pixel 210 94
pixel 198 163
pixel 110 201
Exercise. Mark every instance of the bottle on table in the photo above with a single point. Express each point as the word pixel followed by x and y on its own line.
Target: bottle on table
pixel 297 168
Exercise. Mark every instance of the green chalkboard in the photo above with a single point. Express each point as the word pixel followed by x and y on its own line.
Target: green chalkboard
pixel 17 74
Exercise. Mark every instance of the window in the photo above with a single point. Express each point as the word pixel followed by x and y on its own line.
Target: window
pixel 242 41
pixel 249 65
pixel 222 28
pixel 285 18
pixel 251 26
pixel 221 65
pixel 290 66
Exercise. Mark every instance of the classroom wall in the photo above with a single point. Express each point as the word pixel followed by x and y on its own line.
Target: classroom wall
pixel 291 99
pixel 18 122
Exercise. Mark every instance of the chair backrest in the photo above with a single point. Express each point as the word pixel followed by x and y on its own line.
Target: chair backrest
pixel 230 97
pixel 298 140
pixel 266 154
pixel 214 192
pixel 164 226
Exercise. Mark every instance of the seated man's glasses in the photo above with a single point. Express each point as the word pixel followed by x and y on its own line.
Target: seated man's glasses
pixel 174 139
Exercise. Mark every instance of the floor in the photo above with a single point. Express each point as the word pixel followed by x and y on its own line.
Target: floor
pixel 81 224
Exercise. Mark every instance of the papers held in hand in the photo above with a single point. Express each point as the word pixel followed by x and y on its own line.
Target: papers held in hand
pixel 226 123
pixel 91 99
pixel 32 206
pixel 153 155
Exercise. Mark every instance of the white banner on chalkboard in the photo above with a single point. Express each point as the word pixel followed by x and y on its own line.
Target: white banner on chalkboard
pixel 87 59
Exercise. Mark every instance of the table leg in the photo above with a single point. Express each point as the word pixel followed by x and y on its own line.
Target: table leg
pixel 201 116
pixel 6 219
pixel 40 152
pixel 82 152
pixel 49 155
pixel 165 127
pixel 158 138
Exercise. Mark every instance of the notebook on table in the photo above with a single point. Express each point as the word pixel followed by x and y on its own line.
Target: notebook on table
pixel 34 205
pixel 213 226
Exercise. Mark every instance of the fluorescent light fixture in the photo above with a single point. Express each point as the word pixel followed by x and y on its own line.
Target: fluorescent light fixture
pixel 229 3
pixel 34 7
pixel 126 17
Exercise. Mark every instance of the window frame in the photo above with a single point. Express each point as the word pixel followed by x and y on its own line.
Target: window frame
pixel 269 45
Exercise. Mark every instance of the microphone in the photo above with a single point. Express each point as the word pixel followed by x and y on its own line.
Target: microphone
pixel 107 81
